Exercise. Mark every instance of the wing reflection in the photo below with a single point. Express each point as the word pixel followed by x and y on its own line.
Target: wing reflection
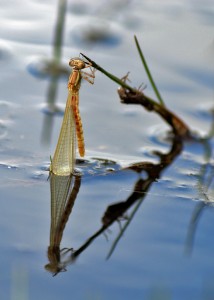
pixel 64 190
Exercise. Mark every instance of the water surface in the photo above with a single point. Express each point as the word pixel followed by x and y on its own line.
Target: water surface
pixel 166 250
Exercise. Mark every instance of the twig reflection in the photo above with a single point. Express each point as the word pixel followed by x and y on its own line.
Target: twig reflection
pixel 116 211
pixel 60 192
pixel 64 192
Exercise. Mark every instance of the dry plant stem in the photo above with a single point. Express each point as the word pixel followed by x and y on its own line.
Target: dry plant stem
pixel 130 95
pixel 178 126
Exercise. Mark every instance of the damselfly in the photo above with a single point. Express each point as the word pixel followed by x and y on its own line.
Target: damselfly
pixel 64 157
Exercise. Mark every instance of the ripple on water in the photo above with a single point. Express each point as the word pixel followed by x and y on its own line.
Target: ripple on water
pixel 84 167
pixel 205 111
pixel 9 166
pixel 3 129
pixel 45 68
pixel 191 176
pixel 130 112
pixel 186 177
pixel 159 135
pixel 96 32
pixel 177 188
pixel 79 8
pixel 5 52
pixel 39 175
pixel 5 107
pixel 97 166
pixel 160 139
pixel 52 108
pixel 201 76
pixel 6 116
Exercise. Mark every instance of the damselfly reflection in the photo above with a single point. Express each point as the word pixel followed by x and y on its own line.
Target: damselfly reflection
pixel 123 211
pixel 64 190
pixel 64 157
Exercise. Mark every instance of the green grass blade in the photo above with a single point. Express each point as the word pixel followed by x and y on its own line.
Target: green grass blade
pixel 109 75
pixel 148 72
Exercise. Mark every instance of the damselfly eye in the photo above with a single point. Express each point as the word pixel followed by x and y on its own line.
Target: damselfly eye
pixel 77 63
pixel 71 63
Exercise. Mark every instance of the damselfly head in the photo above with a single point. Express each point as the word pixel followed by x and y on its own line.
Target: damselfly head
pixel 55 269
pixel 77 63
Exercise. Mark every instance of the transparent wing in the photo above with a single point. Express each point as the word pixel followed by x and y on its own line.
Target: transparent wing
pixel 64 157
pixel 60 187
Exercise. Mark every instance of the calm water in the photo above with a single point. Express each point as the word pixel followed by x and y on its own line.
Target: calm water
pixel 166 249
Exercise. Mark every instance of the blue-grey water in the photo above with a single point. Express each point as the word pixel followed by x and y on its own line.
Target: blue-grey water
pixel 166 251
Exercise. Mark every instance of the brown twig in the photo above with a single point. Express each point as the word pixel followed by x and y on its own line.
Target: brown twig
pixel 178 126
pixel 130 95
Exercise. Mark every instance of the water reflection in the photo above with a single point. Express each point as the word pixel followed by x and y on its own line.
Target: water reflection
pixel 64 190
pixel 204 186
pixel 53 69
pixel 63 195
pixel 96 32
pixel 56 69
pixel 100 29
